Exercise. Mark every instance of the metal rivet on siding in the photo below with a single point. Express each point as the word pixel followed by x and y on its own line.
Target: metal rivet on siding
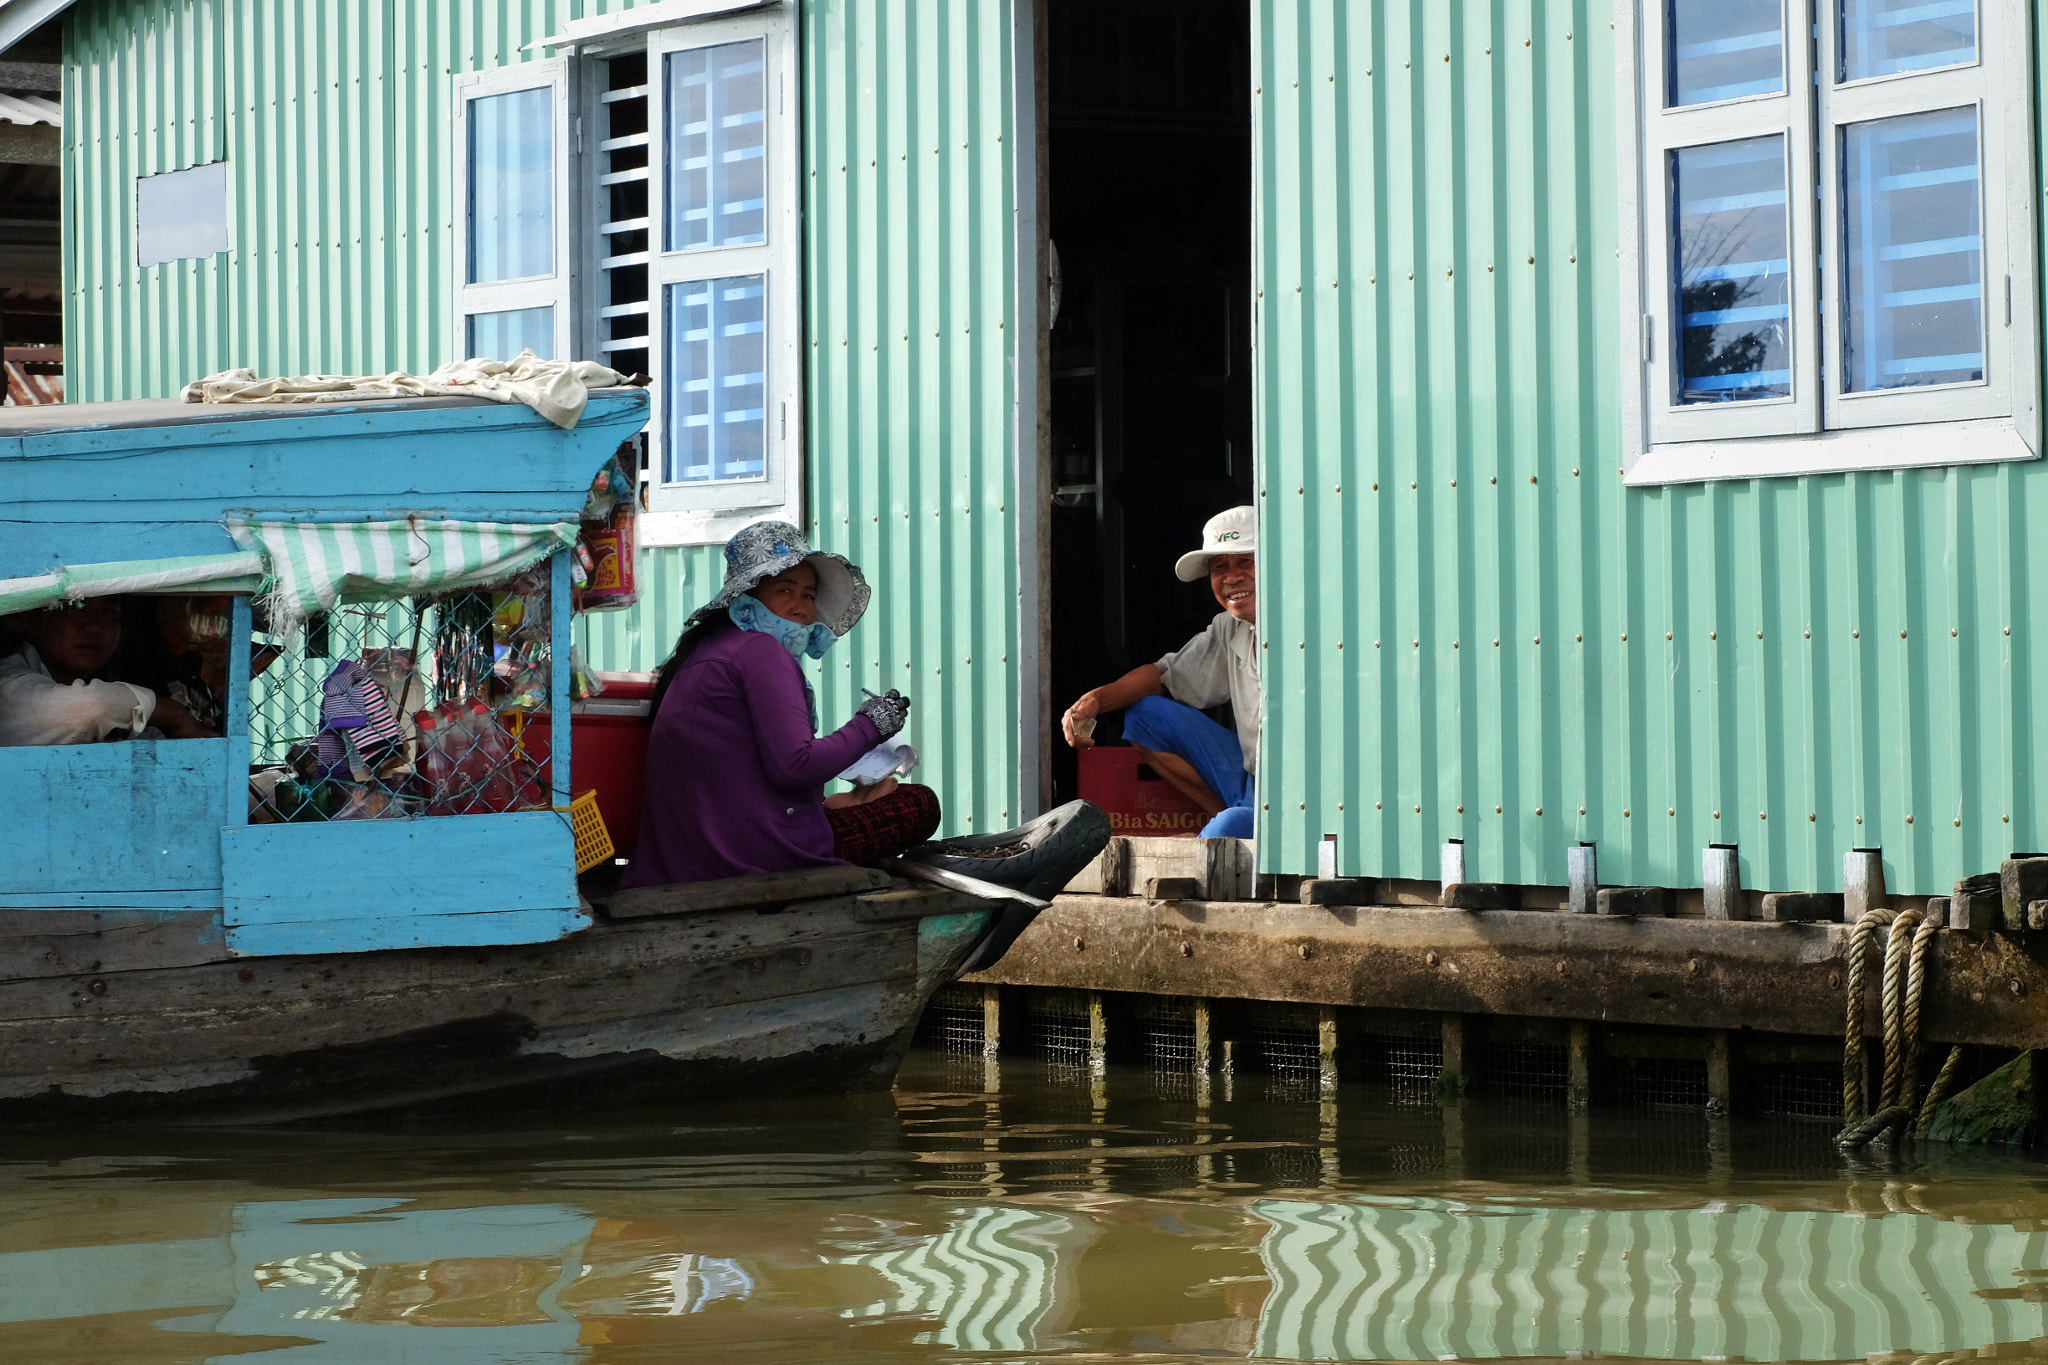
pixel 1532 259
pixel 1578 639
pixel 1667 634
pixel 1671 810
pixel 1624 637
pixel 1759 635
pixel 1340 644
pixel 1951 632
pixel 1496 644
pixel 1717 815
pixel 1582 810
pixel 1538 640
pixel 1575 473
pixel 1375 488
pixel 1539 810
pixel 1855 634
pixel 1490 478
pixel 1375 805
pixel 1454 483
pixel 1461 810
pixel 1454 644
pixel 1711 635
pixel 1808 634
pixel 1902 635
pixel 1418 810
pixel 1909 819
pixel 1624 814
pixel 1859 819
pixel 1959 823
pixel 1809 817
pixel 1532 478
pixel 1496 810
pixel 2008 630
pixel 1417 644
pixel 1411 485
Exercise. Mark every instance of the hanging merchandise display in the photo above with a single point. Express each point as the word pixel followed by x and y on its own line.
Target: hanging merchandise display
pixel 607 548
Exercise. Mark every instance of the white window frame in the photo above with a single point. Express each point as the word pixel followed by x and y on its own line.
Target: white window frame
pixel 555 289
pixel 690 513
pixel 1819 429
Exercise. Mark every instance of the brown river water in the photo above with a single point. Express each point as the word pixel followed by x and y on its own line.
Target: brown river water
pixel 1023 1215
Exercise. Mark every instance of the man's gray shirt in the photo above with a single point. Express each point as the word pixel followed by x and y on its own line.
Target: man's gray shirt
pixel 1221 664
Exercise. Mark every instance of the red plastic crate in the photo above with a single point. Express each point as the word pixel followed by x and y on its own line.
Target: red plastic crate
pixel 610 751
pixel 1137 800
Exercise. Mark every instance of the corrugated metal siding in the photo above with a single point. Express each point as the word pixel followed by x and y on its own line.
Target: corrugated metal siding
pixel 910 261
pixel 674 581
pixel 334 118
pixel 1455 562
pixel 1431 1280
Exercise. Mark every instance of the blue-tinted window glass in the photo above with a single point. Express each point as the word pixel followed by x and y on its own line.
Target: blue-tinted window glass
pixel 717 387
pixel 1731 267
pixel 717 143
pixel 1885 37
pixel 1724 49
pixel 502 336
pixel 512 186
pixel 1912 252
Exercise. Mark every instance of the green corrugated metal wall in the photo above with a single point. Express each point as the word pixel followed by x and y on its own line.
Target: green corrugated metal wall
pixel 911 278
pixel 333 116
pixel 911 283
pixel 334 120
pixel 1455 562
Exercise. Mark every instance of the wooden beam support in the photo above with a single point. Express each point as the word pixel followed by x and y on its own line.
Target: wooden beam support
pixel 1720 1074
pixel 1578 1083
pixel 1455 1078
pixel 1686 973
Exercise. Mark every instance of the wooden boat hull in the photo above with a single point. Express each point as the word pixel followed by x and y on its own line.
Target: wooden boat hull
pixel 795 1000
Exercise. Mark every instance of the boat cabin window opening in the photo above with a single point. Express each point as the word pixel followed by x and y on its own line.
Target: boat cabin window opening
pixel 678 148
pixel 408 709
pixel 1149 183
pixel 1829 257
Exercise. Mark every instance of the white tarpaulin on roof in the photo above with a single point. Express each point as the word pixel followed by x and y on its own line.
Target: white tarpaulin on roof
pixel 556 389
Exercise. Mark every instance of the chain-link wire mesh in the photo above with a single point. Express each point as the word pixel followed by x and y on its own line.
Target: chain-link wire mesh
pixel 405 709
pixel 1057 1029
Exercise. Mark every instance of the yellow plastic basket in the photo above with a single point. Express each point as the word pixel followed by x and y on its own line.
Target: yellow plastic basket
pixel 593 840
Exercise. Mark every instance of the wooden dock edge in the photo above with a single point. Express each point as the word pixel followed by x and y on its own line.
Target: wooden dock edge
pixel 1784 978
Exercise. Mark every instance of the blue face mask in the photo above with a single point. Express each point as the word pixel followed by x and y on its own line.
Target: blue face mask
pixel 751 613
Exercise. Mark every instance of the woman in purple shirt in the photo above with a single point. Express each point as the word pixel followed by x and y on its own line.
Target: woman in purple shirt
pixel 736 769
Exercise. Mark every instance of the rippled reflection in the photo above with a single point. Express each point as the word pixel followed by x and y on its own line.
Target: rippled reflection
pixel 1059 1222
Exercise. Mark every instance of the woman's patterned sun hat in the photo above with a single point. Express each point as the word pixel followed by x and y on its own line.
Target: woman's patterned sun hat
pixel 767 548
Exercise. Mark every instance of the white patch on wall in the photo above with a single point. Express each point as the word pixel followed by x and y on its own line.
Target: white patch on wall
pixel 181 213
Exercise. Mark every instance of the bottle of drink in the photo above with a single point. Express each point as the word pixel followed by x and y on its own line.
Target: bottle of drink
pixel 437 768
pixel 493 748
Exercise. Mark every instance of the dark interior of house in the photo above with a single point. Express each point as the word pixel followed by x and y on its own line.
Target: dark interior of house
pixel 1149 169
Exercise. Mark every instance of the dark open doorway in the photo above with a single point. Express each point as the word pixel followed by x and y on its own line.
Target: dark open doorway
pixel 1149 181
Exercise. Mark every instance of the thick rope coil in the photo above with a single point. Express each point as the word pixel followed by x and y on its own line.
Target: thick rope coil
pixel 1916 984
pixel 1905 982
pixel 1938 1092
pixel 1853 1111
pixel 1896 942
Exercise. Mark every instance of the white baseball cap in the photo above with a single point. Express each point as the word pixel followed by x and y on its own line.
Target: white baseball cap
pixel 1235 532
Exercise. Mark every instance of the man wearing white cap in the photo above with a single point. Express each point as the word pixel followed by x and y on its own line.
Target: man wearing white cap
pixel 1207 763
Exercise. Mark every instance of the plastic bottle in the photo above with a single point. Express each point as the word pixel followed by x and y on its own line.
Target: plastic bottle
pixel 493 748
pixel 436 765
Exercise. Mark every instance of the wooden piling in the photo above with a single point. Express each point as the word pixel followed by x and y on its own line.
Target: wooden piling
pixel 991 1022
pixel 1720 1073
pixel 1454 1078
pixel 1578 1084
pixel 1098 1035
pixel 1326 1048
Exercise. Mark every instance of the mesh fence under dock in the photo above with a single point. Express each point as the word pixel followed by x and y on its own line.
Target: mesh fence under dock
pixel 1524 1070
pixel 953 1022
pixel 1659 1082
pixel 404 709
pixel 1801 1090
pixel 1056 1029
pixel 1165 1028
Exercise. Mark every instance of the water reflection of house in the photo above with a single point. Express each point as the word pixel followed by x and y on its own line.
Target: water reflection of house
pixel 992 1281
pixel 1424 1280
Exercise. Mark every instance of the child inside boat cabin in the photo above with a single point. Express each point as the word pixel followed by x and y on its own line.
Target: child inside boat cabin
pixel 56 683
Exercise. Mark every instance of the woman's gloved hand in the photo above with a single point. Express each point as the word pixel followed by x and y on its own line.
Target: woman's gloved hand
pixel 887 711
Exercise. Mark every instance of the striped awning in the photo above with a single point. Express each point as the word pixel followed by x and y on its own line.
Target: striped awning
pixel 236 572
pixel 313 566
pixel 303 568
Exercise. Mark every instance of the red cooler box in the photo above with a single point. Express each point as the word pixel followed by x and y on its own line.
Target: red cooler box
pixel 610 751
pixel 1137 799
